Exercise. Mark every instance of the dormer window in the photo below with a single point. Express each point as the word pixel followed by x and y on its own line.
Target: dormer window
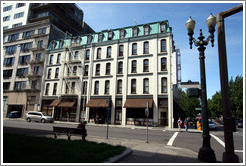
pixel 53 45
pixel 135 31
pixel 89 38
pixel 78 39
pixel 163 27
pixel 61 42
pixel 110 35
pixel 122 34
pixel 146 29
pixel 100 37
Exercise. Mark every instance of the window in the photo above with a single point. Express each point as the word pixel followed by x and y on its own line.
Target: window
pixel 7 8
pixel 20 85
pixel 34 84
pixel 122 34
pixel 58 60
pixel 110 35
pixel 100 37
pixel 18 15
pixel 119 86
pixel 42 31
pixel 5 27
pixel 6 18
pixel 84 87
pixel 89 39
pixel 51 59
pixel 109 52
pixel 57 73
pixel 163 64
pixel 47 89
pixel 67 88
pixel 76 56
pixel 133 86
pixel 146 47
pixel 53 45
pixel 11 49
pixel 27 34
pixel 163 85
pixel 61 43
pixel 16 25
pixel 36 70
pixel 26 47
pixel 54 88
pixel 163 27
pixel 163 45
pixel 74 70
pixel 107 87
pixel 120 67
pixel 49 74
pixel 20 5
pixel 87 56
pixel 96 89
pixel 73 87
pixel 40 44
pixel 146 85
pixel 134 66
pixel 13 37
pixel 38 56
pixel 9 61
pixel 146 29
pixel 7 73
pixel 86 71
pixel 78 39
pixel 135 31
pixel 134 49
pixel 24 59
pixel 99 53
pixel 121 49
pixel 108 69
pixel 146 65
pixel 69 71
pixel 22 72
pixel 70 56
pixel 6 85
pixel 98 69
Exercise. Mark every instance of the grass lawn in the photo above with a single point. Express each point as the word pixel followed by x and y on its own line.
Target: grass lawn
pixel 28 149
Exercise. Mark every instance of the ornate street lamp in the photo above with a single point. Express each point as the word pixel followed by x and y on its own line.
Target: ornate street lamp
pixel 206 153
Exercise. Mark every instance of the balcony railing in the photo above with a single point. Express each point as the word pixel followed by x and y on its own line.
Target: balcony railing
pixel 36 61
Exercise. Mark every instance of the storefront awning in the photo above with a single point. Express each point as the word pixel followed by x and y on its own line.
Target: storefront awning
pixel 66 104
pixel 138 103
pixel 97 103
pixel 55 102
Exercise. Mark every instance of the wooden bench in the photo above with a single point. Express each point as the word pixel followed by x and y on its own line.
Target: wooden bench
pixel 69 132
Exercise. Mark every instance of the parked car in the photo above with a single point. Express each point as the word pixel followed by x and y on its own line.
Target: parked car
pixel 239 123
pixel 14 114
pixel 212 125
pixel 38 117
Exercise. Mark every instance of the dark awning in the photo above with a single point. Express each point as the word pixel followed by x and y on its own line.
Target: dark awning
pixel 55 102
pixel 138 103
pixel 66 104
pixel 97 103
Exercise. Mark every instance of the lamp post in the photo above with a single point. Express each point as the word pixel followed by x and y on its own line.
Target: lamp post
pixel 206 153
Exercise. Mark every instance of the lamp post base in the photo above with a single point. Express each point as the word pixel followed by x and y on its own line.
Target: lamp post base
pixel 207 155
pixel 230 158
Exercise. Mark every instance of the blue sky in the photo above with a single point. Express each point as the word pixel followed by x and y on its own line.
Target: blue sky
pixel 108 15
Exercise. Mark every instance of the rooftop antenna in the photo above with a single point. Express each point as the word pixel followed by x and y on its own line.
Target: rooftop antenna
pixel 135 21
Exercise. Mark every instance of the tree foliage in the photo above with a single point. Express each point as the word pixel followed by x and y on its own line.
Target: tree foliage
pixel 236 100
pixel 188 104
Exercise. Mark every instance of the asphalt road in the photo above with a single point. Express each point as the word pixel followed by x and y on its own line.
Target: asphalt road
pixel 191 140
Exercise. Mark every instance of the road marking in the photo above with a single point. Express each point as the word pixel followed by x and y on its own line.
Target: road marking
pixel 219 140
pixel 239 151
pixel 170 142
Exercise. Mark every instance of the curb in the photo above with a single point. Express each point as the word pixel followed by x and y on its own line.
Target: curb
pixel 119 157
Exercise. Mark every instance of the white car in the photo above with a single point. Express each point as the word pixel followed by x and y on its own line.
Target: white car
pixel 212 125
pixel 38 117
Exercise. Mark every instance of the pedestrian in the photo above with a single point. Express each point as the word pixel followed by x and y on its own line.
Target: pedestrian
pixel 186 123
pixel 179 123
pixel 84 131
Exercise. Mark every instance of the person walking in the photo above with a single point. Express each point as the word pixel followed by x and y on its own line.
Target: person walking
pixel 186 123
pixel 179 124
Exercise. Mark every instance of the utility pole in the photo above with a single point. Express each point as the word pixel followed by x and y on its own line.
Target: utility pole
pixel 229 155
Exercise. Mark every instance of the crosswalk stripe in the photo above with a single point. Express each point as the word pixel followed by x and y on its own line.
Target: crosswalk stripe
pixel 170 142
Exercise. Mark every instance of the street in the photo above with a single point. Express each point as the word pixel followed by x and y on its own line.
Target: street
pixel 191 140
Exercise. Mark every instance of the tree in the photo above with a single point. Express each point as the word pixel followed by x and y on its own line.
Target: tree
pixel 215 106
pixel 188 104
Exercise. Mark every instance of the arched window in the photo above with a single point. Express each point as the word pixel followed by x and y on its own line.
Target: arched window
pixel 53 45
pixel 109 52
pixel 99 50
pixel 54 88
pixel 163 85
pixel 122 34
pixel 146 85
pixel 89 39
pixel 58 58
pixel 86 71
pixel 134 49
pixel 98 69
pixel 163 45
pixel 51 59
pixel 110 35
pixel 163 64
pixel 163 27
pixel 133 86
pixel 61 43
pixel 134 66
pixel 120 67
pixel 49 74
pixel 146 65
pixel 75 70
pixel 135 31
pixel 76 55
pixel 108 68
pixel 121 50
pixel 87 55
pixel 106 87
pixel 96 88
pixel 146 47
pixel 100 37
pixel 57 73
pixel 119 86
pixel 47 89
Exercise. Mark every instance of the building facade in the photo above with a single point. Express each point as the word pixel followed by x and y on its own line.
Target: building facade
pixel 24 50
pixel 131 66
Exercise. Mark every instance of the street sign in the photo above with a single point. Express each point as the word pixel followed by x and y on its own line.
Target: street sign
pixel 198 109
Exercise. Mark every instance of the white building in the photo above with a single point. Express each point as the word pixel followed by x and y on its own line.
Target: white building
pixel 130 65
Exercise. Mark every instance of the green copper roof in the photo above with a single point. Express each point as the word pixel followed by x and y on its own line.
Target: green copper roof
pixel 154 28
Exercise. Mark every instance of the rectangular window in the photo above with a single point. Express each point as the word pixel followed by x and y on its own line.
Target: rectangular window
pixel 7 73
pixel 16 25
pixel 86 72
pixel 146 65
pixel 163 64
pixel 42 31
pixel 122 34
pixel 84 87
pixel 134 66
pixel 98 69
pixel 36 70
pixel 47 89
pixel 96 90
pixel 134 49
pixel 21 85
pixel 20 5
pixel 6 85
pixel 108 68
pixel 40 44
pixel 34 84
pixel 7 8
pixel 22 72
pixel 110 35
pixel 13 37
pixel 146 47
pixel 146 30
pixel 164 85
pixel 73 88
pixel 89 38
pixel 38 56
pixel 28 34
pixel 133 86
pixel 121 49
pixel 11 49
pixel 135 32
pixel 99 53
pixel 26 47
pixel 119 86
pixel 9 61
pixel 107 87
pixel 87 56
pixel 24 59
pixel 109 52
pixel 146 85
pixel 57 73
pixel 100 37
pixel 163 45
pixel 5 27
pixel 6 18
pixel 120 67
pixel 18 15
